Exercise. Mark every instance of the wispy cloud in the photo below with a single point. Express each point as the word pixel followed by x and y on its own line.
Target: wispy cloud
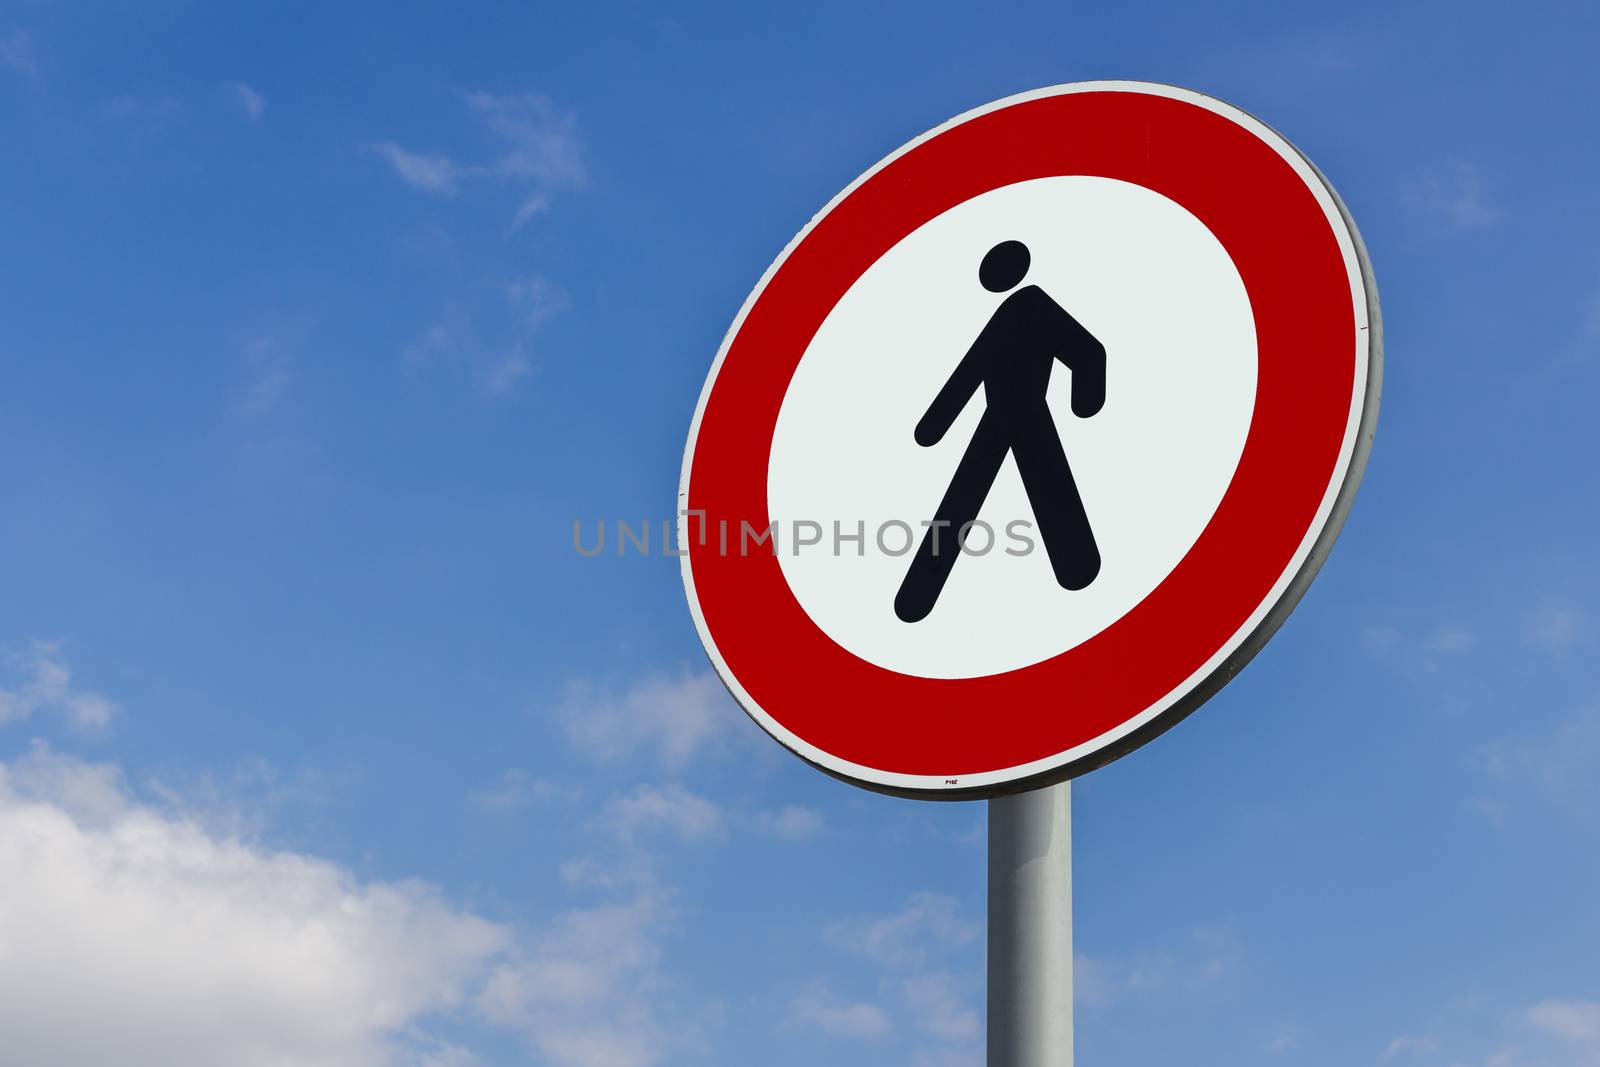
pixel 1449 640
pixel 1407 1045
pixel 1424 649
pixel 789 823
pixel 529 209
pixel 248 800
pixel 537 298
pixel 642 816
pixel 1575 1021
pixel 516 790
pixel 38 680
pixel 1210 956
pixel 273 449
pixel 1553 760
pixel 673 719
pixel 670 808
pixel 541 141
pixel 1550 1033
pixel 1453 195
pixel 439 341
pixel 1281 1039
pixel 500 374
pixel 538 152
pixel 535 151
pixel 249 100
pixel 267 376
pixel 588 990
pixel 1554 625
pixel 817 1008
pixel 939 1006
pixel 929 923
pixel 534 301
pixel 530 303
pixel 432 174
pixel 17 53
pixel 926 985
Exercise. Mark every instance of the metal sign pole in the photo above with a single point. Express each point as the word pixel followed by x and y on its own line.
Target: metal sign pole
pixel 1030 929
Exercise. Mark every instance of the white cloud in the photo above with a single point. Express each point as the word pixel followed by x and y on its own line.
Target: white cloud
pixel 1453 195
pixel 673 718
pixel 789 823
pixel 39 680
pixel 929 922
pixel 194 948
pixel 433 174
pixel 17 53
pixel 670 808
pixel 251 102
pixel 185 942
pixel 191 950
pixel 821 1010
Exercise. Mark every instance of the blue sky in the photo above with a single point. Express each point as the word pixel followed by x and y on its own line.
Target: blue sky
pixel 321 746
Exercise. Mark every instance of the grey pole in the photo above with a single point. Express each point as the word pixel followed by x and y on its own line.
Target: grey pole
pixel 1030 929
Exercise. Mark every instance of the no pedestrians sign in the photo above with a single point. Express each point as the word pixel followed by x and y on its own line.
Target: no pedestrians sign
pixel 1030 439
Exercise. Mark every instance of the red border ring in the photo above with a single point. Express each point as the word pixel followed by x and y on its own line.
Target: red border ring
pixel 1320 356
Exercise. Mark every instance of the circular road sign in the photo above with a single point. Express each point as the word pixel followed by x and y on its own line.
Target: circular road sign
pixel 1031 438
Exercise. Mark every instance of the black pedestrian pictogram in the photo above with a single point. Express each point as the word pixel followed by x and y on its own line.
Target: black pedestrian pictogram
pixel 1011 359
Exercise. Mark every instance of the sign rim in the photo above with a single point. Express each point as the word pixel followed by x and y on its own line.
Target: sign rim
pixel 1257 628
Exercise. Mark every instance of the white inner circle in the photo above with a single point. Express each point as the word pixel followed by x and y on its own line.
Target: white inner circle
pixel 1141 274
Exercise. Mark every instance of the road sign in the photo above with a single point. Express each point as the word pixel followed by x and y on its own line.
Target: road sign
pixel 1030 439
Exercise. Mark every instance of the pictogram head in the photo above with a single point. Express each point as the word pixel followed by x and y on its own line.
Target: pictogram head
pixel 1004 266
